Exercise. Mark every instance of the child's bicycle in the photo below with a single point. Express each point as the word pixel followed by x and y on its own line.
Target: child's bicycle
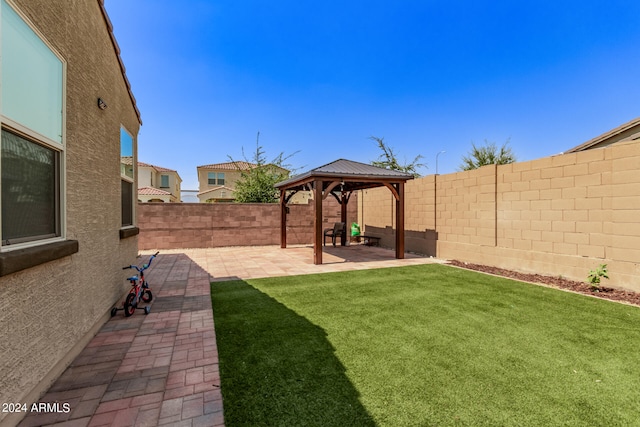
pixel 139 291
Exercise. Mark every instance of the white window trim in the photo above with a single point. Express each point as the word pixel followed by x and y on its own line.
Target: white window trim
pixel 60 147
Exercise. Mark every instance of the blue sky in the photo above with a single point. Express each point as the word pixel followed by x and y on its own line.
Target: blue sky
pixel 320 78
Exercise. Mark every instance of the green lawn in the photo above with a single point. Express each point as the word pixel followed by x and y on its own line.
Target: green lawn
pixel 423 346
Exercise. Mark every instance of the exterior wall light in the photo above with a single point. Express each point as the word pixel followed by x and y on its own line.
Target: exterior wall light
pixel 101 104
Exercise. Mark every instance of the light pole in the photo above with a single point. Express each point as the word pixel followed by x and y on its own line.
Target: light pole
pixel 441 152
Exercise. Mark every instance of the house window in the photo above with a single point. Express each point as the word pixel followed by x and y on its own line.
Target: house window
pixel 127 203
pixel 30 190
pixel 164 181
pixel 214 178
pixel 32 141
pixel 126 176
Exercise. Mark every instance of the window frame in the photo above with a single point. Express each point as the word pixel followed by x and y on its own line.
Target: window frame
pixel 162 179
pixel 35 137
pixel 129 180
pixel 209 178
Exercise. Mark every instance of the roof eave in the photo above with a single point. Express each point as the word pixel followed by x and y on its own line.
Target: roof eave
pixel 116 48
pixel 600 138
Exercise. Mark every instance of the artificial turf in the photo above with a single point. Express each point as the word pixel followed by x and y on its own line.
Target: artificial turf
pixel 423 346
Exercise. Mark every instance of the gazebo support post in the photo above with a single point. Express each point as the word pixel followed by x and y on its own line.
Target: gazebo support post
pixel 283 220
pixel 343 217
pixel 400 221
pixel 317 223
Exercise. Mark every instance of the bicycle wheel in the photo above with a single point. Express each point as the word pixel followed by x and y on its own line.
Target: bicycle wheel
pixel 129 306
pixel 147 296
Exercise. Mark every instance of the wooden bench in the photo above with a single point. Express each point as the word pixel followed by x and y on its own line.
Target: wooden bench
pixel 371 240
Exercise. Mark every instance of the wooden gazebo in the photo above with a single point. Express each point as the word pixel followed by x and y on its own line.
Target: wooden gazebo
pixel 340 179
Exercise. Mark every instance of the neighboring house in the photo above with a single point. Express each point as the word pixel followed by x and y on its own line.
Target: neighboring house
pixel 158 184
pixel 629 131
pixel 217 182
pixel 69 122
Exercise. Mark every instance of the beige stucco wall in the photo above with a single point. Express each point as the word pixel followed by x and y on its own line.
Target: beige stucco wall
pixel 174 184
pixel 230 178
pixel 50 311
pixel 154 199
pixel 560 215
pixel 220 193
pixel 145 175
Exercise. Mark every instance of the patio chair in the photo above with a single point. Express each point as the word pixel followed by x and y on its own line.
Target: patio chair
pixel 336 231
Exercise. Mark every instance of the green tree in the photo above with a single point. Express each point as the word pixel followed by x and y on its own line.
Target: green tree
pixel 488 154
pixel 257 184
pixel 389 160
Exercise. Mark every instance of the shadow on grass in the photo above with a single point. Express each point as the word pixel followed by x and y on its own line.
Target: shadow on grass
pixel 276 367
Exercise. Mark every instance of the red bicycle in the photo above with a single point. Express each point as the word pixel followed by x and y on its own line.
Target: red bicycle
pixel 140 290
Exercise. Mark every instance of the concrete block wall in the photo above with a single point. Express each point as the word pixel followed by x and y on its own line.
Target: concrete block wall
pixel 376 215
pixel 210 225
pixel 561 215
pixel 465 207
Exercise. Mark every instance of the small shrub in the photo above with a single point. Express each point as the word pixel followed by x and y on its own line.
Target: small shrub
pixel 595 276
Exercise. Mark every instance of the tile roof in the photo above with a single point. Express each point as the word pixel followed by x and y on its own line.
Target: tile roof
pixel 230 166
pixel 126 160
pixel 151 191
pixel 158 168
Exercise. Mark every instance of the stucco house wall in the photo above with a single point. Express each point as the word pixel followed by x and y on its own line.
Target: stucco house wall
pixel 231 176
pixel 146 176
pixel 49 311
pixel 151 176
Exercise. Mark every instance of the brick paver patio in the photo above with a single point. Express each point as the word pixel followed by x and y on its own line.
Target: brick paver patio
pixel 162 368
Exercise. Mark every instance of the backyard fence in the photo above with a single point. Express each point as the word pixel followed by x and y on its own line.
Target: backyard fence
pixel 211 225
pixel 561 215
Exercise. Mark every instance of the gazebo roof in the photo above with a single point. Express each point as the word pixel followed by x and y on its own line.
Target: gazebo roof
pixel 355 175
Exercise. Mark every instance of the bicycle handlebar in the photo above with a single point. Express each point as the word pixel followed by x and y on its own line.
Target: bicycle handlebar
pixel 144 266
